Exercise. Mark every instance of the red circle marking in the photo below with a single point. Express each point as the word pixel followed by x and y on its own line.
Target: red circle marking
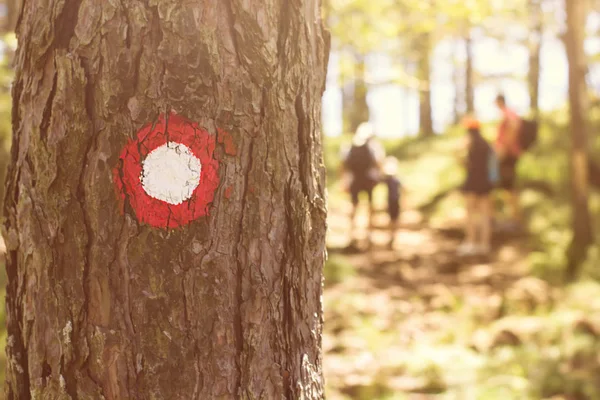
pixel 127 175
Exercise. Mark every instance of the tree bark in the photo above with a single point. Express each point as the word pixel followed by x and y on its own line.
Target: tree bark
pixel 359 112
pixel 424 75
pixel 228 307
pixel 535 48
pixel 582 229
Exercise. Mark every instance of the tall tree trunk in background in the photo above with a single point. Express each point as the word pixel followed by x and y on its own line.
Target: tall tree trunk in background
pixel 347 102
pixel 469 85
pixel 359 111
pixel 582 231
pixel 424 75
pixel 12 14
pixel 457 80
pixel 100 305
pixel 457 97
pixel 535 48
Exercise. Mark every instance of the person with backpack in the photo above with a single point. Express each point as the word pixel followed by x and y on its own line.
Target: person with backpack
pixel 482 175
pixel 509 153
pixel 361 168
pixel 514 136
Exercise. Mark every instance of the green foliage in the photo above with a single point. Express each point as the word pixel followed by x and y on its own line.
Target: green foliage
pixel 360 24
pixel 396 27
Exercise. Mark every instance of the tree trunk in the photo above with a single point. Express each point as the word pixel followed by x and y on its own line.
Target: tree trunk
pixel 457 80
pixel 101 305
pixel 359 112
pixel 12 14
pixel 4 155
pixel 424 75
pixel 347 102
pixel 582 230
pixel 469 87
pixel 535 48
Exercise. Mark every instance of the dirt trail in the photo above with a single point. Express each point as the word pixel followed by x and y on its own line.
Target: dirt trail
pixel 397 303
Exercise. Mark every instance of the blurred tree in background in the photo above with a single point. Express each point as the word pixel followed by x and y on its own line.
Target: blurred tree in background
pixel 576 11
pixel 8 18
pixel 8 46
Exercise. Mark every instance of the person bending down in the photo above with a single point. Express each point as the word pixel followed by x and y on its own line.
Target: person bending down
pixel 477 188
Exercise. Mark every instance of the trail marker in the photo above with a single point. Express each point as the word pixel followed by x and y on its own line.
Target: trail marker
pixel 167 173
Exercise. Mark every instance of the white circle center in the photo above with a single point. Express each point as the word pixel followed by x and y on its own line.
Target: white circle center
pixel 171 173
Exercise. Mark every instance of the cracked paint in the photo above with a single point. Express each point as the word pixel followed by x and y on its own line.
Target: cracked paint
pixel 167 173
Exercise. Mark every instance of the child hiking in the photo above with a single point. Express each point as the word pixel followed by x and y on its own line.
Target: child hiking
pixel 482 174
pixel 395 195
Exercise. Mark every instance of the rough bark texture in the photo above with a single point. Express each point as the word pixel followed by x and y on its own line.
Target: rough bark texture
pixel 229 307
pixel 359 111
pixel 535 49
pixel 424 75
pixel 578 99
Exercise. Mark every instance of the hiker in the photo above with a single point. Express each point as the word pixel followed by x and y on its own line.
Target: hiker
pixel 509 151
pixel 481 175
pixel 361 168
pixel 394 195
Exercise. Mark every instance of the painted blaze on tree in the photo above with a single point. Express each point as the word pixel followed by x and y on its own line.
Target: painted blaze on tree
pixel 168 173
pixel 107 301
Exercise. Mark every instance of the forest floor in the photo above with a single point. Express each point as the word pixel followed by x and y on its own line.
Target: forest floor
pixel 397 318
pixel 418 322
